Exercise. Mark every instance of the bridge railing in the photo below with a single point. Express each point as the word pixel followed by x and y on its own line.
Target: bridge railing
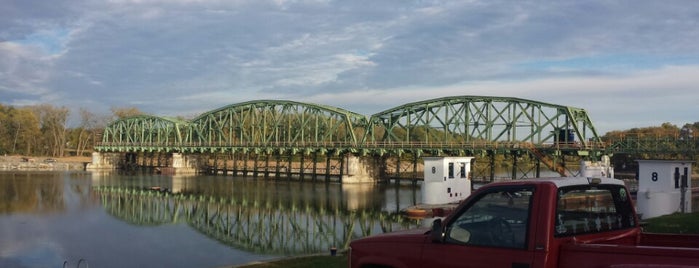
pixel 652 145
pixel 487 145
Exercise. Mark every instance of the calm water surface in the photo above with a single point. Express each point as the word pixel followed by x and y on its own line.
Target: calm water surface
pixel 137 220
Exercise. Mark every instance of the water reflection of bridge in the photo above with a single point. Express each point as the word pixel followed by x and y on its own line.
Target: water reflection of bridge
pixel 263 225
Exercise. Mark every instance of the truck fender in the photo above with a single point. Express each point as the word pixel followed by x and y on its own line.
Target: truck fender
pixel 651 266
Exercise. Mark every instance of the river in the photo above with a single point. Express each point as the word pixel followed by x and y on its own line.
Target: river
pixel 142 220
pixel 114 219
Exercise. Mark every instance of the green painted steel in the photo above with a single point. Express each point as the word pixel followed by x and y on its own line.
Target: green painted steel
pixel 487 123
pixel 142 133
pixel 275 124
pixel 637 144
pixel 479 118
pixel 460 125
pixel 556 136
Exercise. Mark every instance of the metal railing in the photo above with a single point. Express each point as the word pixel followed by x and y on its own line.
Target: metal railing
pixel 364 145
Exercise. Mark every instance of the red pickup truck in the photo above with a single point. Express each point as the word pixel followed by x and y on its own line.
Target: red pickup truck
pixel 555 222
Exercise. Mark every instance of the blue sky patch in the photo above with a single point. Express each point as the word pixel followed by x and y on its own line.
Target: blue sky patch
pixel 51 41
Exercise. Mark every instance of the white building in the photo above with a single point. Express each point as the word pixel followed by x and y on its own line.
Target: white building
pixel 447 180
pixel 664 187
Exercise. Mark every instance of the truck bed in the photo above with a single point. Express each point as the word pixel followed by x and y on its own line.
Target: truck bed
pixel 654 250
pixel 669 240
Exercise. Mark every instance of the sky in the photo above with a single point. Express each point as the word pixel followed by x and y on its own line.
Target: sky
pixel 627 63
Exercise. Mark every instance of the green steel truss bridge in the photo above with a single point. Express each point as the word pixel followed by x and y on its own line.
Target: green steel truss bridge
pixel 480 126
pixel 448 124
pixel 452 126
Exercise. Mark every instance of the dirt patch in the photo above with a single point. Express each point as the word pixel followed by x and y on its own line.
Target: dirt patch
pixel 69 159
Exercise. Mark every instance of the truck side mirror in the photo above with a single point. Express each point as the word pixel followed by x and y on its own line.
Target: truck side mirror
pixel 437 232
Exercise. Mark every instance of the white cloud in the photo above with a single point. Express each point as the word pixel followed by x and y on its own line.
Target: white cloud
pixel 358 55
pixel 647 98
pixel 23 71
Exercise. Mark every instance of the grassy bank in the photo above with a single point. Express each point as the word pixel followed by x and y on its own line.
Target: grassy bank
pixel 678 223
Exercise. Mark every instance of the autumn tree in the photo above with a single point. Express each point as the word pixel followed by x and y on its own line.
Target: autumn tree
pixel 19 129
pixel 124 112
pixel 26 131
pixel 689 131
pixel 53 128
pixel 4 136
pixel 85 135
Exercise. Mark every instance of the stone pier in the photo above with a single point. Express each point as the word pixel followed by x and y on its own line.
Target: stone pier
pixel 353 169
pixel 361 169
pixel 184 164
pixel 102 161
pixel 177 164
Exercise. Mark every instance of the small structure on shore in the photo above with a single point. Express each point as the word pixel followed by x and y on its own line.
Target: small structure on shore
pixel 663 187
pixel 447 180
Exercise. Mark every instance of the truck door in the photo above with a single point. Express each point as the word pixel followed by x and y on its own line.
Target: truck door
pixel 491 231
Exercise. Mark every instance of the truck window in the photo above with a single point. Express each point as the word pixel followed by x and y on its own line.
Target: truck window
pixel 497 218
pixel 591 209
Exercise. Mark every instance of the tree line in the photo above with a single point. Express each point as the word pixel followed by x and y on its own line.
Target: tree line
pixel 41 130
pixel 666 130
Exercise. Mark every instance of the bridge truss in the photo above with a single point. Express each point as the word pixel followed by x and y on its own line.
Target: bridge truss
pixel 452 126
pixel 268 125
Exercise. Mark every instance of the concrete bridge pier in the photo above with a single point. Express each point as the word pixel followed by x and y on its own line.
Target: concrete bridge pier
pixel 176 163
pixel 185 164
pixel 103 161
pixel 364 169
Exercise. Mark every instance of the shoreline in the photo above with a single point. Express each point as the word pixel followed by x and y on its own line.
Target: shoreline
pixel 42 163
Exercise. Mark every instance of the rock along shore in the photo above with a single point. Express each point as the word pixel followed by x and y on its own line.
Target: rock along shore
pixel 29 163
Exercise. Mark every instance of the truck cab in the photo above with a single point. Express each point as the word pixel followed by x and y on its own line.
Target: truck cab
pixel 511 224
